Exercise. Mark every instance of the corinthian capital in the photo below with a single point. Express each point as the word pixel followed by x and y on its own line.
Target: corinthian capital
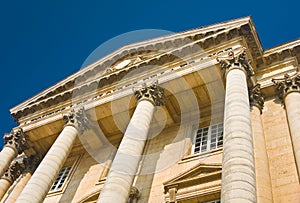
pixel 17 140
pixel 152 93
pixel 78 119
pixel 13 172
pixel 256 97
pixel 236 60
pixel 287 84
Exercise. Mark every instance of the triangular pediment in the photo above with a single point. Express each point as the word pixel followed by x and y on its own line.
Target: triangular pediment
pixel 138 53
pixel 198 174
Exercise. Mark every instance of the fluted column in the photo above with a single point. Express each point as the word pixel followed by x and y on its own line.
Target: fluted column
pixel 288 89
pixel 12 173
pixel 15 143
pixel 262 170
pixel 30 165
pixel 119 180
pixel 238 172
pixel 42 179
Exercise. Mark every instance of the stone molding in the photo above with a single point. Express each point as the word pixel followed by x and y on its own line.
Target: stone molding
pixel 256 97
pixel 78 119
pixel 236 60
pixel 286 85
pixel 17 140
pixel 13 172
pixel 153 93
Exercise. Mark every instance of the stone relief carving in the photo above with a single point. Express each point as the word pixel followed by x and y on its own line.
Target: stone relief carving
pixel 17 140
pixel 287 84
pixel 14 171
pixel 236 59
pixel 77 118
pixel 152 93
pixel 256 97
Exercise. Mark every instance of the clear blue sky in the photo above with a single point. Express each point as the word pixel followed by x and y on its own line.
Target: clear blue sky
pixel 42 42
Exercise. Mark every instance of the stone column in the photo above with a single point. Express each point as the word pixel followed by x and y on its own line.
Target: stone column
pixel 30 165
pixel 262 170
pixel 238 172
pixel 12 173
pixel 38 186
pixel 288 89
pixel 15 143
pixel 119 180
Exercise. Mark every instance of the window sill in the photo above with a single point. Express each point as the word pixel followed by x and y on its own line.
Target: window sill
pixel 202 155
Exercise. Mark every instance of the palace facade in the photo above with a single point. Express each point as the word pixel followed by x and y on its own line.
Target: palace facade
pixel 202 116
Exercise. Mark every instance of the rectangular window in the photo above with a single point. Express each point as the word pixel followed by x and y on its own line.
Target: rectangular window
pixel 208 138
pixel 61 178
pixel 64 175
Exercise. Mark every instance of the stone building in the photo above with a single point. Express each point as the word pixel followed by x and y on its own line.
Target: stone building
pixel 205 115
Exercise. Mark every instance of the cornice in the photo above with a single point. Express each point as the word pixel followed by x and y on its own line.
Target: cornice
pixel 279 53
pixel 204 37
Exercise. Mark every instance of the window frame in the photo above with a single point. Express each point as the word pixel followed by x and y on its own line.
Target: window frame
pixel 209 134
pixel 71 162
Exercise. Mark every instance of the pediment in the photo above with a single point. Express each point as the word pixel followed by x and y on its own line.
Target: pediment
pixel 206 37
pixel 198 174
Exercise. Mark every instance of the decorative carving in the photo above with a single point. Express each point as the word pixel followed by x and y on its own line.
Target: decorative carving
pixel 77 118
pixel 287 84
pixel 17 140
pixel 238 59
pixel 31 163
pixel 152 93
pixel 133 195
pixel 256 97
pixel 13 172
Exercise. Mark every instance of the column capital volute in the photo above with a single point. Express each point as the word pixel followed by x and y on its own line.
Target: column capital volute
pixel 153 93
pixel 236 60
pixel 256 97
pixel 14 171
pixel 286 85
pixel 17 140
pixel 77 118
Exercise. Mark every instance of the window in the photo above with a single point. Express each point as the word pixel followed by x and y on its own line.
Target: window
pixel 208 138
pixel 61 178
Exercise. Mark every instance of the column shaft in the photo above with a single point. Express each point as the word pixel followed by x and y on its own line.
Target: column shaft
pixel 238 173
pixel 125 164
pixel 292 105
pixel 6 157
pixel 42 179
pixel 18 188
pixel 4 186
pixel 262 171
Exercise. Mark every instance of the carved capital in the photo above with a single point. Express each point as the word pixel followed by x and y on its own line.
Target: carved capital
pixel 152 93
pixel 236 60
pixel 31 163
pixel 78 119
pixel 17 140
pixel 256 97
pixel 133 195
pixel 287 84
pixel 13 172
